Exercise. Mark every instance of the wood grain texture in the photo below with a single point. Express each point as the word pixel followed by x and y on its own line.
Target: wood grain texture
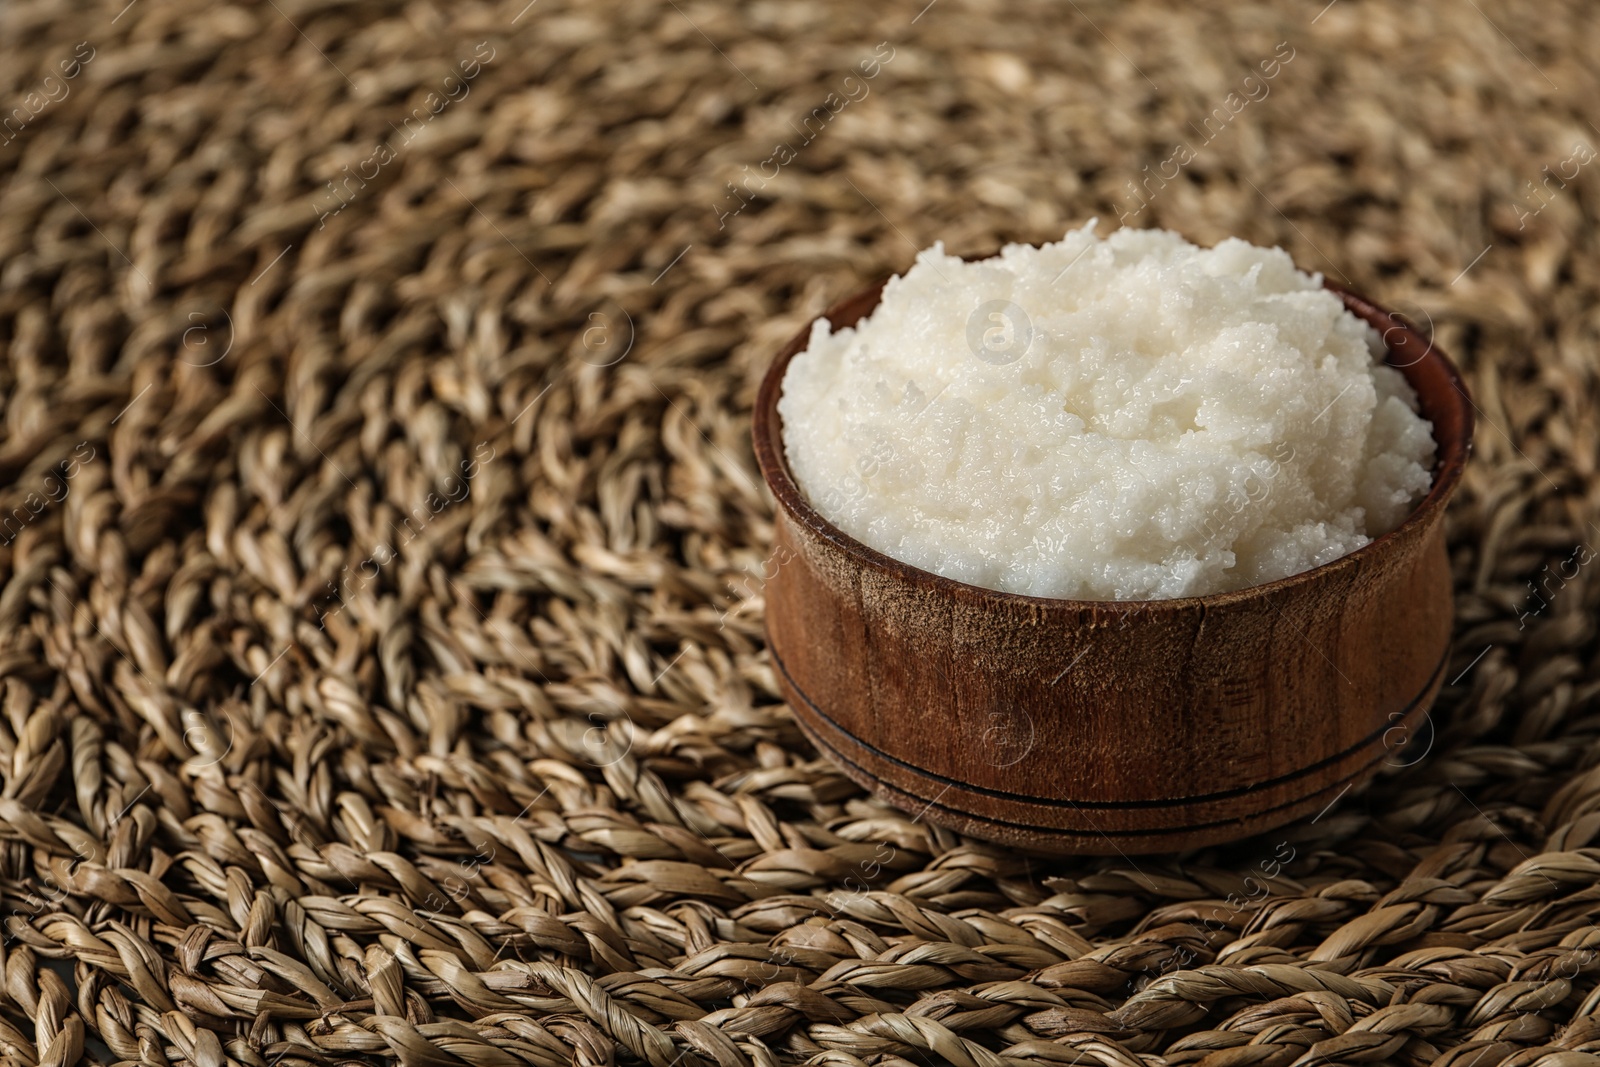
pixel 1104 727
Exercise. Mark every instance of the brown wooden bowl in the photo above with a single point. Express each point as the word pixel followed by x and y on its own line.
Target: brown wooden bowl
pixel 1113 726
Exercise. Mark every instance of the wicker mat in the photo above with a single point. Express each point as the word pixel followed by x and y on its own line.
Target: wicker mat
pixel 381 653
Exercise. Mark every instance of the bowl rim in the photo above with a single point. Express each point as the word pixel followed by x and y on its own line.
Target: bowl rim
pixel 1449 462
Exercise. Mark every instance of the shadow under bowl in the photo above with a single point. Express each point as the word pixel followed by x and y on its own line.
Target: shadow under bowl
pixel 1112 727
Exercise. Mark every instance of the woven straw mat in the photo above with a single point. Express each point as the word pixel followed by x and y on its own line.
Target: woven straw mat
pixel 381 663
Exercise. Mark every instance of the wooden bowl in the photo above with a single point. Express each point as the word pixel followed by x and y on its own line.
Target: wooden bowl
pixel 1113 726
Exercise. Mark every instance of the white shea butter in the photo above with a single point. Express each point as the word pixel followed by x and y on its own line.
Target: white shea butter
pixel 1132 418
